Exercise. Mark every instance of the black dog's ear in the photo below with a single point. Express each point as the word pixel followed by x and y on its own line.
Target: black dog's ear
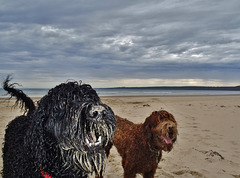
pixel 36 140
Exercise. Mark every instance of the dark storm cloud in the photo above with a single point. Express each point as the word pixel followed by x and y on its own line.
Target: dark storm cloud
pixel 51 41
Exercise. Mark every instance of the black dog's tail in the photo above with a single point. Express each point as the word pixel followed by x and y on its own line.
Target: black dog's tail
pixel 26 103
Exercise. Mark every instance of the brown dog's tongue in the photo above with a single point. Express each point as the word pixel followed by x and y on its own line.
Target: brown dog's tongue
pixel 167 140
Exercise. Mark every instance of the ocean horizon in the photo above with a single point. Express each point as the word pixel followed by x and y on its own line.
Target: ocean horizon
pixel 142 91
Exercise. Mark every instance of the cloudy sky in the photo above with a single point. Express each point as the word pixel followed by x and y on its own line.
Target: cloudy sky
pixel 111 43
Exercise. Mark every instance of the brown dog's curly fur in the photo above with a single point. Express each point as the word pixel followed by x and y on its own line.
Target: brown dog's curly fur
pixel 141 145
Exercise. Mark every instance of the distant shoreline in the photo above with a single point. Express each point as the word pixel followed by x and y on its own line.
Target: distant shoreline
pixel 144 91
pixel 233 88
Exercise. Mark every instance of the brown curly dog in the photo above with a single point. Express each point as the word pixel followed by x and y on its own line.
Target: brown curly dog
pixel 141 145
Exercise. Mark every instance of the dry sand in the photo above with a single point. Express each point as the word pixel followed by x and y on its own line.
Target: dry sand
pixel 209 133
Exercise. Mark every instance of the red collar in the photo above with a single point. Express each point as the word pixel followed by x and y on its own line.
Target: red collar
pixel 44 174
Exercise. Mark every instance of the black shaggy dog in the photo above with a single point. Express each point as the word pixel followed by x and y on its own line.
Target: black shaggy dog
pixel 65 135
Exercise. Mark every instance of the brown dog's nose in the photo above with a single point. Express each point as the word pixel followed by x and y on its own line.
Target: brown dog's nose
pixel 170 127
pixel 170 131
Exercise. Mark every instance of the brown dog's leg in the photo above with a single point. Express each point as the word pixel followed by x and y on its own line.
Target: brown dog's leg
pixel 129 174
pixel 149 174
pixel 128 167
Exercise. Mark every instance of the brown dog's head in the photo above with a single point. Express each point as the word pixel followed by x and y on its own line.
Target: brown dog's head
pixel 161 129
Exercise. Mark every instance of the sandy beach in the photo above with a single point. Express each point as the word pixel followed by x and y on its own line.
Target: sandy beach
pixel 208 144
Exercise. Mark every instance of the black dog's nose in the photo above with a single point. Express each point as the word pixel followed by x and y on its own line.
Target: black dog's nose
pixel 96 112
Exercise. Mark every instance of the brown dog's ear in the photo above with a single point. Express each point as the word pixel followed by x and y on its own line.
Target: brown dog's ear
pixel 150 123
pixel 147 127
pixel 152 120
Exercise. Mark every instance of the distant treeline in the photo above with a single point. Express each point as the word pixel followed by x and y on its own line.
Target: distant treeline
pixel 237 88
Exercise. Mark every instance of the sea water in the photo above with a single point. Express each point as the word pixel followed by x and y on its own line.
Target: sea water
pixel 40 92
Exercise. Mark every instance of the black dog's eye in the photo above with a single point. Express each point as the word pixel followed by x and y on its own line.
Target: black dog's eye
pixel 63 104
pixel 104 113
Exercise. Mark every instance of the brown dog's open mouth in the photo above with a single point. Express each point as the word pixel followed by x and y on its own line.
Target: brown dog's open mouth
pixel 167 140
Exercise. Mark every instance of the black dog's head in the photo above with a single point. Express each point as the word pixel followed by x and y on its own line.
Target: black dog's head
pixel 81 125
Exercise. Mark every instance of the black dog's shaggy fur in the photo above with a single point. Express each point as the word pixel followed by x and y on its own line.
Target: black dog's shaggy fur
pixel 64 136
